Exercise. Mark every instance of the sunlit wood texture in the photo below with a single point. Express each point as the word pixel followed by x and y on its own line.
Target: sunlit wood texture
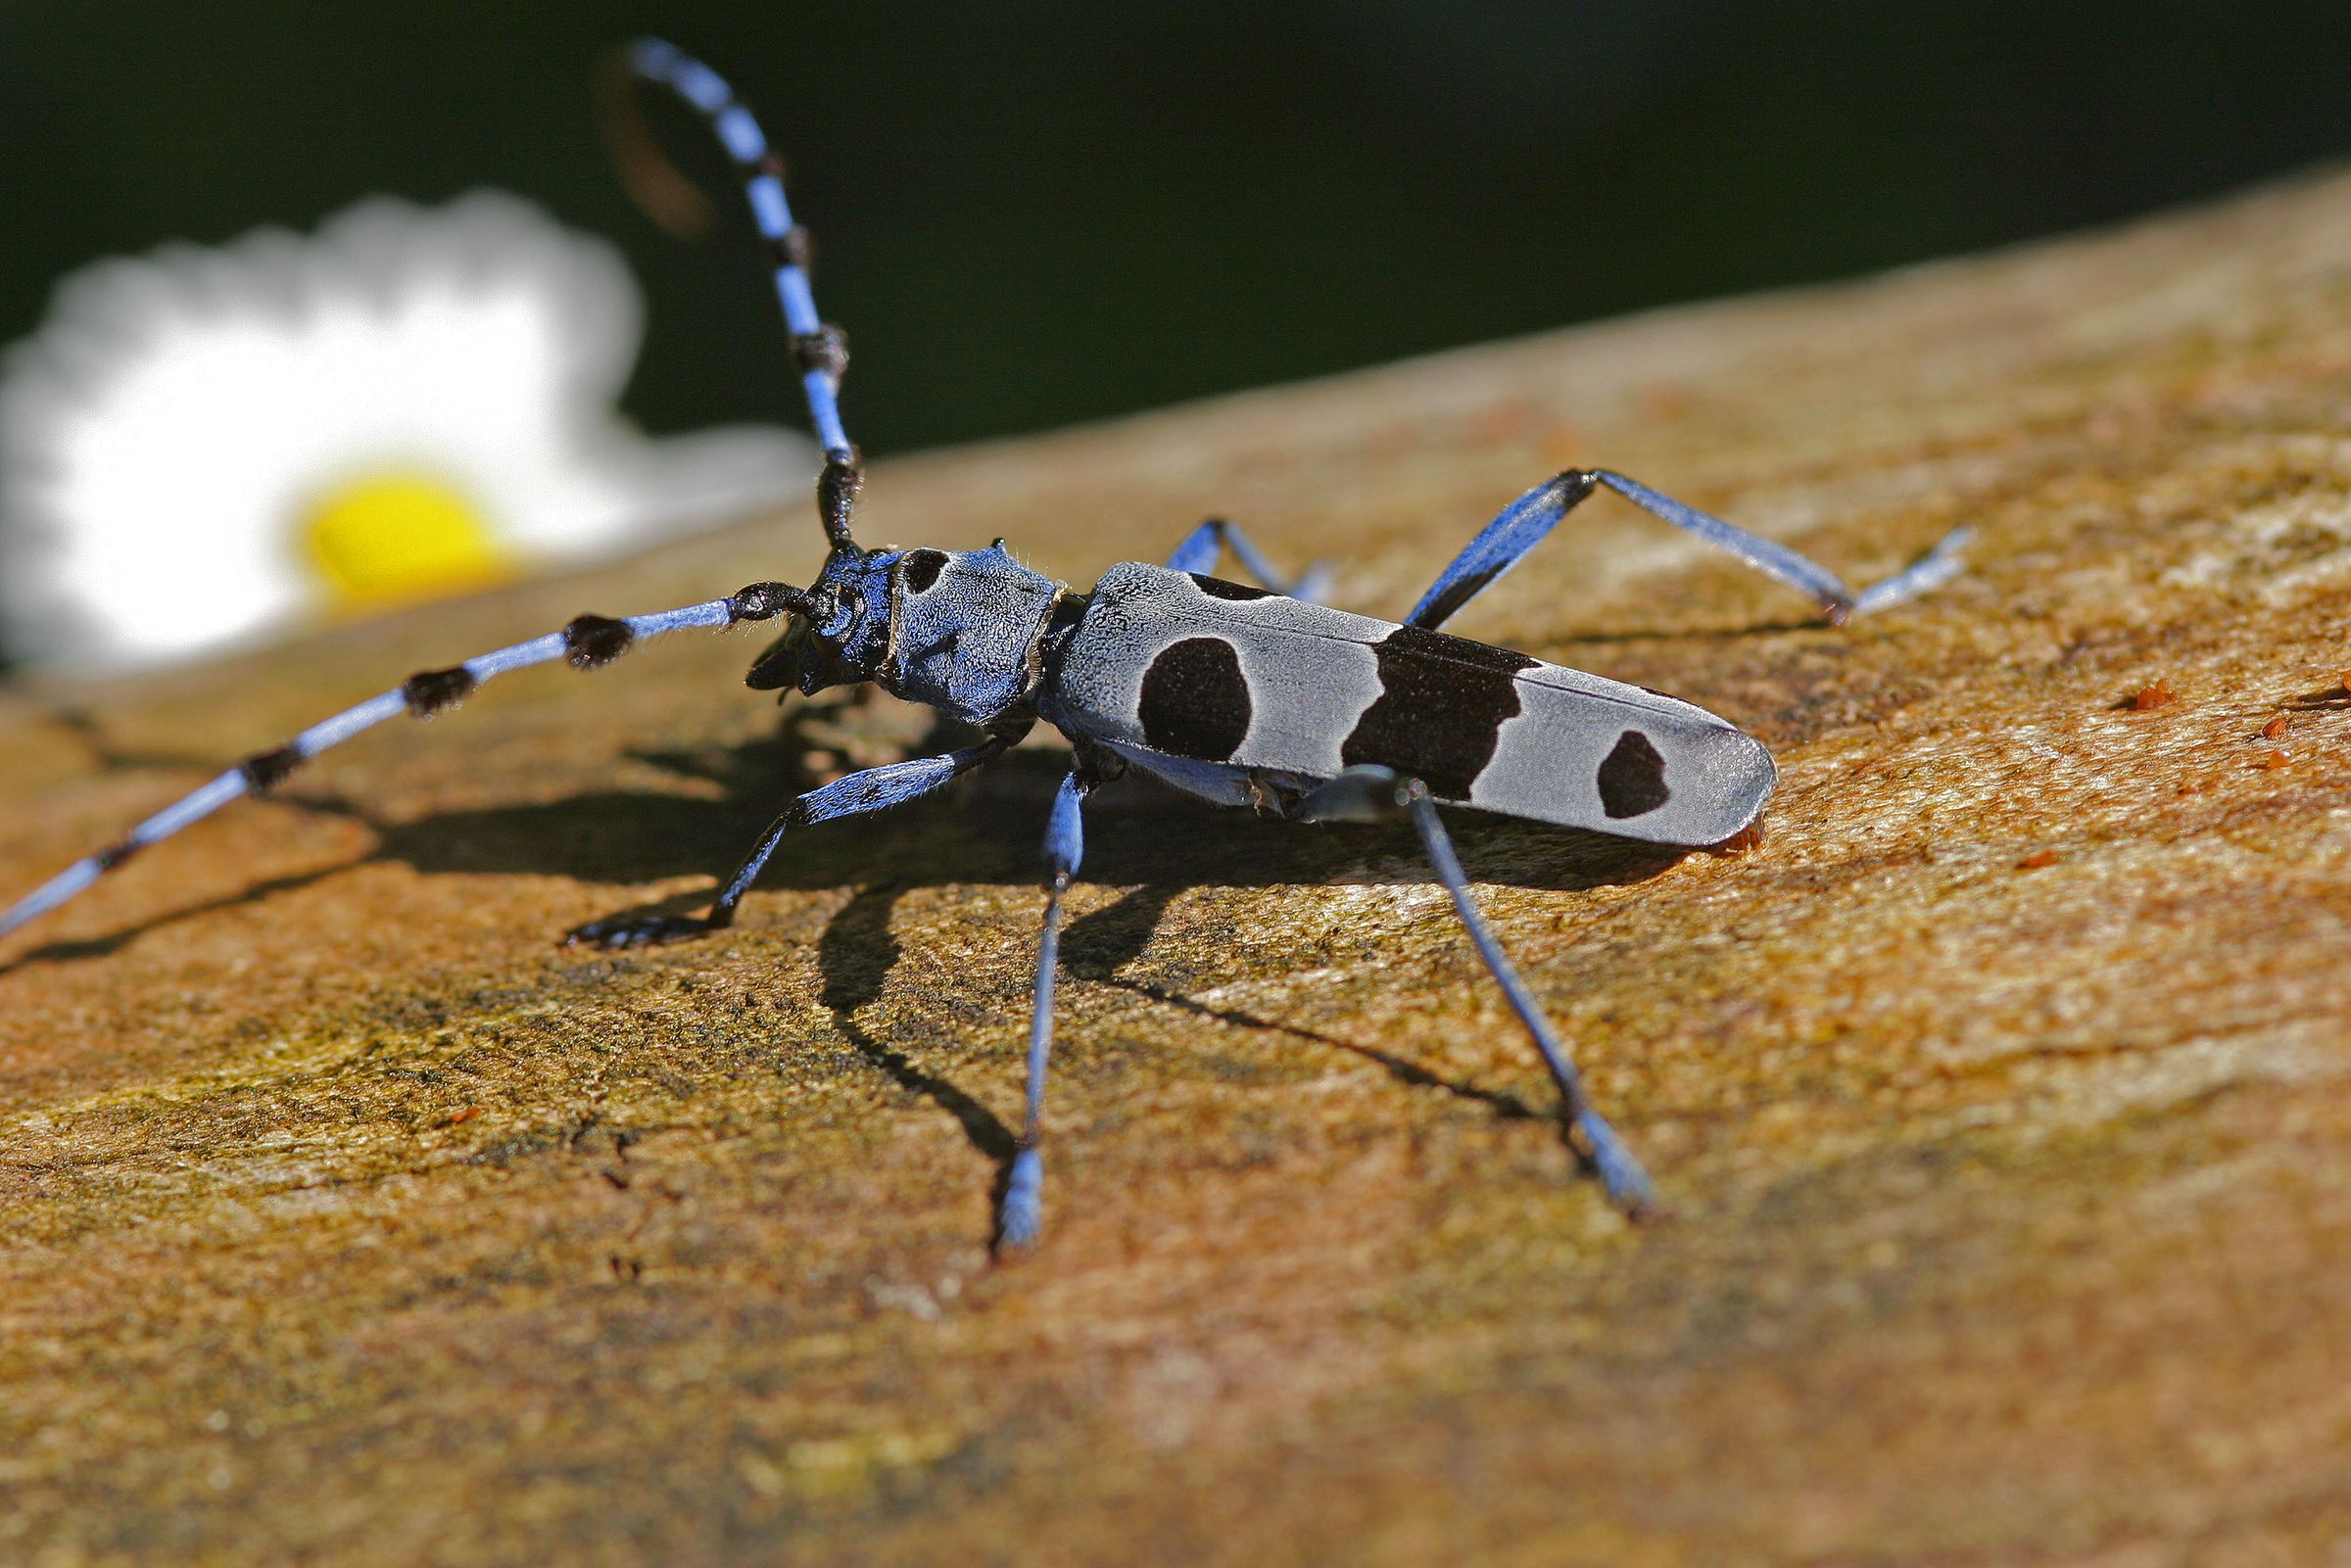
pixel 2000 1095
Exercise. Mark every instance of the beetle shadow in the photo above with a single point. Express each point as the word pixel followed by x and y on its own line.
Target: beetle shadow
pixel 1636 635
pixel 987 828
pixel 1098 946
pixel 983 829
pixel 1143 836
pixel 854 957
pixel 2327 699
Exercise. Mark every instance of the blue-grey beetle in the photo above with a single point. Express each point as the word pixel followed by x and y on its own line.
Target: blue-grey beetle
pixel 1248 696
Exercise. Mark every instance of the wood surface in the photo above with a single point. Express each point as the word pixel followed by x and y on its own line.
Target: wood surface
pixel 2001 1097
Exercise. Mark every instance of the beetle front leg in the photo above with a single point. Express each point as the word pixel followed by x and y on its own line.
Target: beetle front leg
pixel 853 795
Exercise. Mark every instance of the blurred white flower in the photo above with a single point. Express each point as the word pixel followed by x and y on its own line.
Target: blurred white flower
pixel 203 447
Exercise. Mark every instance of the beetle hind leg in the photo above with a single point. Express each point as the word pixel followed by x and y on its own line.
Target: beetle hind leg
pixel 1380 794
pixel 1525 523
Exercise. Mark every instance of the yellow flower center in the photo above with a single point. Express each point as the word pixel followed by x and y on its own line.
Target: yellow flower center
pixel 394 539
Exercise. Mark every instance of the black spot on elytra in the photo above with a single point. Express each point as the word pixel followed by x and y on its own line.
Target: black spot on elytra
pixel 1217 588
pixel 1632 781
pixel 1196 703
pixel 1443 702
pixel 428 692
pixel 591 642
pixel 921 568
pixel 264 771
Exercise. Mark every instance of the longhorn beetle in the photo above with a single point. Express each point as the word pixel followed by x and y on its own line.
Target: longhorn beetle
pixel 1246 696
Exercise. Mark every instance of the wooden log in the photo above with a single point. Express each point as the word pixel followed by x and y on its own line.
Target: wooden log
pixel 2001 1097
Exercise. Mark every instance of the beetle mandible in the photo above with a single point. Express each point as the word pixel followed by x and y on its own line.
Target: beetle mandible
pixel 1246 696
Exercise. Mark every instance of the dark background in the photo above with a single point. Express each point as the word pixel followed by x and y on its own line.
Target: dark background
pixel 1034 213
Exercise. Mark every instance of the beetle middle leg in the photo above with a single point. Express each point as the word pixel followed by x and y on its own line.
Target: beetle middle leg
pixel 1022 1207
pixel 1204 547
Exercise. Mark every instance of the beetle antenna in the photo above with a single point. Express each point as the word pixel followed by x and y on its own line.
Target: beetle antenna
pixel 820 349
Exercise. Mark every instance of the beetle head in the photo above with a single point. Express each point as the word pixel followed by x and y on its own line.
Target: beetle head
pixel 842 636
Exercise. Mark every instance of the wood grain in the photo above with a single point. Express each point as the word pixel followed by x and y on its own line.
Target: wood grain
pixel 2000 1095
